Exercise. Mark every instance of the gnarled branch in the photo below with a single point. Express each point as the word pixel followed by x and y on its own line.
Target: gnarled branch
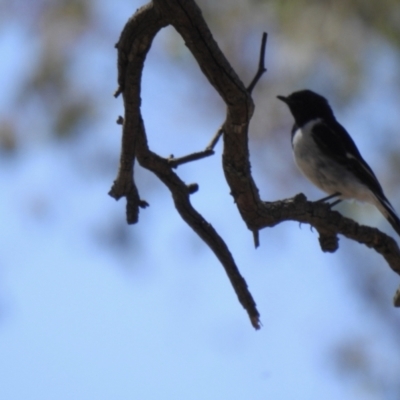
pixel 133 45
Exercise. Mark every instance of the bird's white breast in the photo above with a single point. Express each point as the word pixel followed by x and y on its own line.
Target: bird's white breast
pixel 306 152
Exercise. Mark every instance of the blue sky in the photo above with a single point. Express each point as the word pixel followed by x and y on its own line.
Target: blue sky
pixel 158 319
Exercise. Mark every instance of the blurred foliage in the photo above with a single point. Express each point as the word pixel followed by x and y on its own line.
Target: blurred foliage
pixel 54 30
pixel 329 45
pixel 314 33
pixel 324 42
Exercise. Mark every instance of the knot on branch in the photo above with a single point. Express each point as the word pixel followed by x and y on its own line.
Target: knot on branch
pixel 300 199
pixel 328 241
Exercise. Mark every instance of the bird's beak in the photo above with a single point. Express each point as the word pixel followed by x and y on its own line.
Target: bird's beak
pixel 283 98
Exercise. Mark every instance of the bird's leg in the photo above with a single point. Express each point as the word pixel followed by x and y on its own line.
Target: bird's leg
pixel 331 196
pixel 335 202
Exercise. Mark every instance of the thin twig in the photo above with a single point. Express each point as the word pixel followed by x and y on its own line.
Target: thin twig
pixel 117 92
pixel 261 64
pixel 220 131
pixel 174 162
pixel 209 151
pixel 215 138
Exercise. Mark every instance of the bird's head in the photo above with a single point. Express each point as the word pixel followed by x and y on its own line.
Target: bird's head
pixel 306 105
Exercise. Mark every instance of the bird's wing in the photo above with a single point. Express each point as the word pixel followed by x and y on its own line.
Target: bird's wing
pixel 337 144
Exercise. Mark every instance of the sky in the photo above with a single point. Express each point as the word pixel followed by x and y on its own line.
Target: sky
pixel 158 319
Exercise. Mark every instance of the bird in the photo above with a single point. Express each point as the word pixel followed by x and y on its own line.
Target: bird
pixel 327 155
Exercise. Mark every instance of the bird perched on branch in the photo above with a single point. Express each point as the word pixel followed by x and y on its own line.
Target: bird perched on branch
pixel 326 154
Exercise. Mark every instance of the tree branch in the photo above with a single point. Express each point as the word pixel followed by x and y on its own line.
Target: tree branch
pixel 329 224
pixel 136 39
pixel 133 45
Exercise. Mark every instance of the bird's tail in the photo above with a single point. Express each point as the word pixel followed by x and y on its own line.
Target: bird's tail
pixel 388 212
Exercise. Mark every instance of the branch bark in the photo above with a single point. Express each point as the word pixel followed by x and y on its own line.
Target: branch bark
pixel 133 45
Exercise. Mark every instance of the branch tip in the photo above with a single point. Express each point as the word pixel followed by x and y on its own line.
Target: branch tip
pixel 192 188
pixel 256 237
pixel 114 193
pixel 143 204
pixel 117 92
pixel 396 299
pixel 255 321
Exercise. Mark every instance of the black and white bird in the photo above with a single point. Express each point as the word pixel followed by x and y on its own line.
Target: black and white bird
pixel 326 154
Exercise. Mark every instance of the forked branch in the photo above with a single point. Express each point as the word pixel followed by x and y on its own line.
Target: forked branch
pixel 133 45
